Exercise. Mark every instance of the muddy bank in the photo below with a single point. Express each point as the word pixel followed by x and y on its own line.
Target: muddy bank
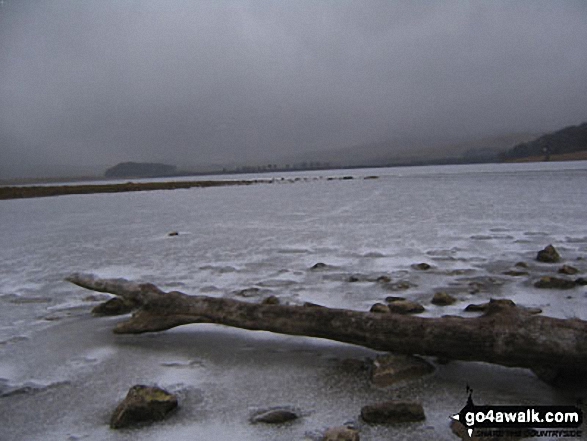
pixel 58 190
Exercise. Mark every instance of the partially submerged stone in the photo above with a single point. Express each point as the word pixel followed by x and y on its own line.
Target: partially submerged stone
pixel 143 404
pixel 274 416
pixel 548 255
pixel 319 266
pixel 389 369
pixel 568 269
pixel 341 433
pixel 421 266
pixel 392 412
pixel 271 300
pixel 443 299
pixel 548 282
pixel 493 305
pixel 380 308
pixel 405 307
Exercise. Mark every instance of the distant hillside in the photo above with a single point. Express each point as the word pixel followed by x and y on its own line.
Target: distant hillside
pixel 140 170
pixel 569 140
pixel 414 152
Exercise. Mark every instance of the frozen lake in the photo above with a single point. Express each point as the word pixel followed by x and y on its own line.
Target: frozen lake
pixel 62 371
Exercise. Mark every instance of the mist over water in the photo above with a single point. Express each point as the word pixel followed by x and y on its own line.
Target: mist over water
pixel 85 85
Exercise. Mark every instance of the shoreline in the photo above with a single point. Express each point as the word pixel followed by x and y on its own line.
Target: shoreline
pixel 20 192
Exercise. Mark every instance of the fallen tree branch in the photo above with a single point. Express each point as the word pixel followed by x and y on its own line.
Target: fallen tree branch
pixel 504 335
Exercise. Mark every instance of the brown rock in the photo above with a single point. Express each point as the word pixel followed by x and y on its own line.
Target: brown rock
pixel 443 299
pixel 379 308
pixel 548 282
pixel 569 270
pixel 421 266
pixel 143 404
pixel 173 233
pixel 522 265
pixel 383 279
pixel 319 266
pixel 390 299
pixel 405 307
pixel 271 300
pixel 389 369
pixel 342 433
pixel 391 412
pixel 548 255
pixel 493 305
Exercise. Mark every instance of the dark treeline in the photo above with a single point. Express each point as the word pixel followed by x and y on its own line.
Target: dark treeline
pixel 568 140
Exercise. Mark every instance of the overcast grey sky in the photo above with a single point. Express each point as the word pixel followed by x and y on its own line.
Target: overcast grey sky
pixel 188 82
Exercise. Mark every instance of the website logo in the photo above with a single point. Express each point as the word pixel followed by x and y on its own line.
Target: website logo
pixel 553 421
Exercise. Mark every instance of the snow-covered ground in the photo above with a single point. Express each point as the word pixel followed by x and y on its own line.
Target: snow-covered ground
pixel 63 371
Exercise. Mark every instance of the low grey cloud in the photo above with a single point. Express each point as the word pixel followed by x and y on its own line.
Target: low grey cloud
pixel 196 82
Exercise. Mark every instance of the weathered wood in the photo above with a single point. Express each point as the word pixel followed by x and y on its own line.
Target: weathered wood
pixel 504 335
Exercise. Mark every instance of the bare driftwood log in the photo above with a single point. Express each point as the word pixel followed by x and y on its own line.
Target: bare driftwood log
pixel 504 335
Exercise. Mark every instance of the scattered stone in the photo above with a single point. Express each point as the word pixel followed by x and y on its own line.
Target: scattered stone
pixel 353 279
pixel 522 265
pixel 493 305
pixel 390 299
pixel 479 307
pixel 173 233
pixel 319 266
pixel 380 308
pixel 383 279
pixel 515 273
pixel 274 416
pixel 341 433
pixel 143 404
pixel 391 412
pixel 581 281
pixel 115 306
pixel 548 282
pixel 271 300
pixel 405 307
pixel 371 177
pixel 443 299
pixel 569 270
pixel 548 255
pixel 421 266
pixel 389 369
